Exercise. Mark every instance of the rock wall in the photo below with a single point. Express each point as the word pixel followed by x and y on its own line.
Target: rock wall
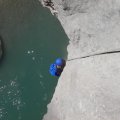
pixel 89 88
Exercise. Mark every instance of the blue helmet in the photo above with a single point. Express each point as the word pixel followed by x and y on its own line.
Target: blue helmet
pixel 57 67
pixel 60 62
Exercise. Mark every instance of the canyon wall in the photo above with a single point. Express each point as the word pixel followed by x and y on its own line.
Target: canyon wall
pixel 89 88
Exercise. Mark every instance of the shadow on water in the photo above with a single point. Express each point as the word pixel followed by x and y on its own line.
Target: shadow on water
pixel 3 51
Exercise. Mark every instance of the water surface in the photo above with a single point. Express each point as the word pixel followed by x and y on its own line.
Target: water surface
pixel 32 38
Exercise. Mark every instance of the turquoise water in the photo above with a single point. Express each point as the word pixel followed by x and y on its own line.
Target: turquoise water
pixel 33 39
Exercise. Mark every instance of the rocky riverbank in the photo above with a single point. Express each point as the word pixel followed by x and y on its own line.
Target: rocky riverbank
pixel 50 5
pixel 89 88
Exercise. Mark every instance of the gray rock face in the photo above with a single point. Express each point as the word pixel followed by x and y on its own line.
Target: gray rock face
pixel 89 88
pixel 91 25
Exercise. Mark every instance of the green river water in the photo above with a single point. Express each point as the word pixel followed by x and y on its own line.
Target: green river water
pixel 33 39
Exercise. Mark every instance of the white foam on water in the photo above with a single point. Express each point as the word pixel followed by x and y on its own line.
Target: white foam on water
pixel 28 52
pixel 40 75
pixel 32 51
pixel 2 88
pixel 2 113
pixel 12 83
pixel 45 97
pixel 33 58
pixel 10 94
pixel 42 85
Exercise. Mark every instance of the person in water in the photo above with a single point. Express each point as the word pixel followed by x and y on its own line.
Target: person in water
pixel 57 67
pixel 55 70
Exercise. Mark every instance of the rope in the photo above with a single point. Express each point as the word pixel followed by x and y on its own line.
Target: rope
pixel 110 52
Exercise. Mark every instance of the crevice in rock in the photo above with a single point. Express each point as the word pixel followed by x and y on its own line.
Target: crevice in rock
pixel 97 54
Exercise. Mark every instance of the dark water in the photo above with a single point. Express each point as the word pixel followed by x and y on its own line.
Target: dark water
pixel 33 39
